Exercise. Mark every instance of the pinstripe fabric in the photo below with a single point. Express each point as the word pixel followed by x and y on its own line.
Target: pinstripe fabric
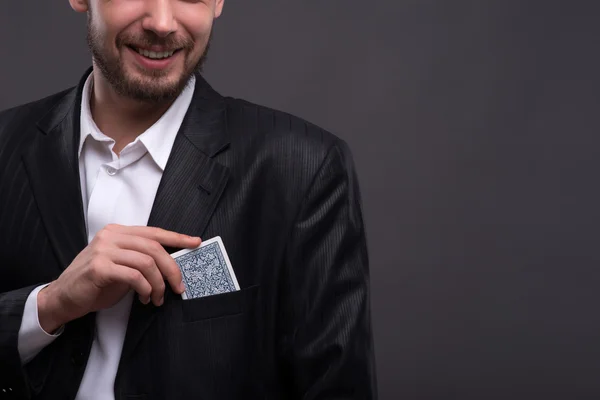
pixel 283 195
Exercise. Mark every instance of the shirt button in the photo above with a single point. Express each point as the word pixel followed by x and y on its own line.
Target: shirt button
pixel 111 171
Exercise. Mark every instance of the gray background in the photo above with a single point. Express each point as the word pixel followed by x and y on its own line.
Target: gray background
pixel 474 126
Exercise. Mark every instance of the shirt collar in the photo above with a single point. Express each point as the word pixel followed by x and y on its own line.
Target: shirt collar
pixel 158 139
pixel 87 124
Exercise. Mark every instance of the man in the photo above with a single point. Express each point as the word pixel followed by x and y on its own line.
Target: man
pixel 99 184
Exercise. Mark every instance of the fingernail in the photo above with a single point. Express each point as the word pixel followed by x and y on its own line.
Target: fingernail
pixel 162 300
pixel 144 301
pixel 181 287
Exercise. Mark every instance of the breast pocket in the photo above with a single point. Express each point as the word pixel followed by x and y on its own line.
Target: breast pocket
pixel 219 305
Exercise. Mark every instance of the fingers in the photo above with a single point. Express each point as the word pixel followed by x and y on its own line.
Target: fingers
pixel 147 241
pixel 162 236
pixel 134 278
pixel 164 262
pixel 148 268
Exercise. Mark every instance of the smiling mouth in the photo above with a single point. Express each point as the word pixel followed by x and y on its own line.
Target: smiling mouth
pixel 154 55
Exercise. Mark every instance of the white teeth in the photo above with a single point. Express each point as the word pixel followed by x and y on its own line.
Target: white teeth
pixel 155 55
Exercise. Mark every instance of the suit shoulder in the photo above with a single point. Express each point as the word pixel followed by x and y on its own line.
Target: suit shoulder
pixel 283 149
pixel 28 113
pixel 268 125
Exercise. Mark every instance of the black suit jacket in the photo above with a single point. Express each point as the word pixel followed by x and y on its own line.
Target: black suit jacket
pixel 283 195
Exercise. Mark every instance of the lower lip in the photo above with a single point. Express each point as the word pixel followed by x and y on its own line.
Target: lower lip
pixel 150 63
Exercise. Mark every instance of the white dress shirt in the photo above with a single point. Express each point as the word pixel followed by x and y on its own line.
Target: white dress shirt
pixel 115 189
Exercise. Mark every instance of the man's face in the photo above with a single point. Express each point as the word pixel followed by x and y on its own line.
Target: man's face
pixel 148 49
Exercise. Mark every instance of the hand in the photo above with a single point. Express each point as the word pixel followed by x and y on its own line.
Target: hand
pixel 118 259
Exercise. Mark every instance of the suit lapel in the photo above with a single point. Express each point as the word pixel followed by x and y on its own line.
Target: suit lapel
pixel 190 189
pixel 53 170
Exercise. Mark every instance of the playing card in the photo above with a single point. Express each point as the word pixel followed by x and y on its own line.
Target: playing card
pixel 206 270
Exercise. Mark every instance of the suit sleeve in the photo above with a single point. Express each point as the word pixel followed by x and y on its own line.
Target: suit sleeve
pixel 328 348
pixel 13 380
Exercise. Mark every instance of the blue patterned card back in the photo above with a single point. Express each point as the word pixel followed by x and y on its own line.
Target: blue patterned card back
pixel 205 271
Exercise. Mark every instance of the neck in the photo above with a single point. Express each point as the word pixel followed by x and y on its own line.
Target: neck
pixel 120 118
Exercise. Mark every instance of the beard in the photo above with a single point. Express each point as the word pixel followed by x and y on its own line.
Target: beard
pixel 154 86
